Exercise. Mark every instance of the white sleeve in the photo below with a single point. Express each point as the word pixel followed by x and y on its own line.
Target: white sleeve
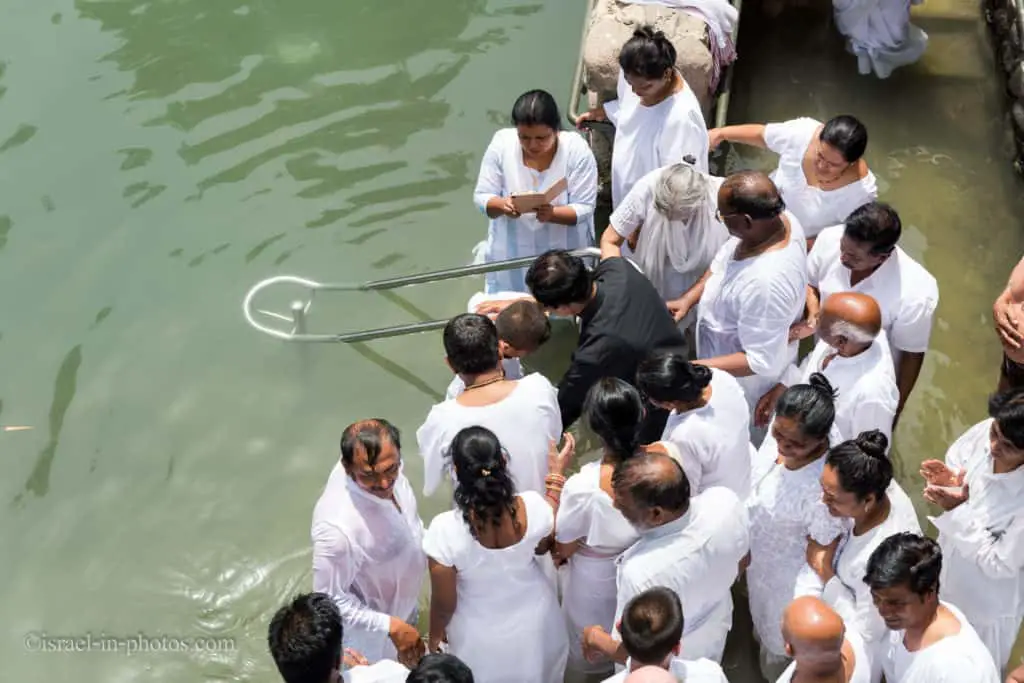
pixel 818 256
pixel 438 542
pixel 549 406
pixel 873 412
pixel 785 136
pixel 431 437
pixel 998 554
pixel 687 453
pixel 573 519
pixel 612 107
pixel 632 210
pixel 335 566
pixel 821 526
pixel 912 328
pixel 491 180
pixel 765 314
pixel 962 450
pixel 581 177
pixel 808 583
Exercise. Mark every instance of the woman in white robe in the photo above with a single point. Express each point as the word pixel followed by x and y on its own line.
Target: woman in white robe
pixel 786 511
pixel 533 156
pixel 982 531
pixel 822 175
pixel 708 422
pixel 879 34
pixel 858 488
pixel 672 212
pixel 657 117
pixel 490 599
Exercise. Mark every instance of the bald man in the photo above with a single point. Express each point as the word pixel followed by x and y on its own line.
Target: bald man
pixel 692 546
pixel 367 544
pixel 821 648
pixel 852 352
pixel 754 290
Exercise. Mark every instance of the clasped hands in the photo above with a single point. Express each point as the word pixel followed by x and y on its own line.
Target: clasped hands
pixel 941 484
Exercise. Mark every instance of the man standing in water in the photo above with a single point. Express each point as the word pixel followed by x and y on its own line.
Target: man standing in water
pixel 821 647
pixel 754 290
pixel 1008 313
pixel 367 538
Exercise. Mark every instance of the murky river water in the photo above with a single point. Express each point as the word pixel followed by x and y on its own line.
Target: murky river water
pixel 159 157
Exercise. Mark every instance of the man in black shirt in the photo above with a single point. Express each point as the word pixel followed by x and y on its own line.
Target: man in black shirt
pixel 622 319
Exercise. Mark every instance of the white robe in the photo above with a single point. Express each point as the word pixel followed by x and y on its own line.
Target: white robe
pixel 907 293
pixel 784 508
pixel 956 659
pixel 672 254
pixel 880 34
pixel 713 441
pixel 846 592
pixel 861 663
pixel 686 670
pixel 697 556
pixel 748 306
pixel 384 671
pixel 587 513
pixel 525 422
pixel 367 556
pixel 983 544
pixel 502 173
pixel 866 384
pixel 649 138
pixel 506 627
pixel 814 207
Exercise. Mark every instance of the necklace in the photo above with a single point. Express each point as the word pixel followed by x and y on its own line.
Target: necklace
pixel 492 380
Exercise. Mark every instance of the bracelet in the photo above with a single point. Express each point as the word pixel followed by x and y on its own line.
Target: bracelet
pixel 555 479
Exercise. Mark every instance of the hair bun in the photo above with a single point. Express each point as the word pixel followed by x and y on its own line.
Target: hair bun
pixel 647 31
pixel 873 443
pixel 821 383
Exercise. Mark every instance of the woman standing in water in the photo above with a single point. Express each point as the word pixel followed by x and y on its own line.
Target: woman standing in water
pixel 532 156
pixel 858 487
pixel 786 511
pixel 589 531
pixel 490 599
pixel 822 175
pixel 657 117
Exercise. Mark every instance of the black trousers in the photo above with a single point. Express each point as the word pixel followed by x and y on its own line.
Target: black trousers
pixel 653 425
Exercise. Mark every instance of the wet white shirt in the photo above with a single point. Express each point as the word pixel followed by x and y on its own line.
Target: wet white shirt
pixel 907 293
pixel 503 173
pixel 384 671
pixel 648 138
pixel 955 659
pixel 713 441
pixel 868 395
pixel 525 422
pixel 697 556
pixel 687 670
pixel 748 306
pixel 861 662
pixel 814 207
pixel 367 557
pixel 983 544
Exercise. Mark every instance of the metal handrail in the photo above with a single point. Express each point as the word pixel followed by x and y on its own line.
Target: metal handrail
pixel 577 76
pixel 300 309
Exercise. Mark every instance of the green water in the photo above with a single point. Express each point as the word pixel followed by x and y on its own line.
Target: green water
pixel 161 157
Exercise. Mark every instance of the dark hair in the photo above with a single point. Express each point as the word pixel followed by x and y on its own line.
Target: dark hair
pixel 652 624
pixel 557 278
pixel 471 344
pixel 862 465
pixel 614 412
pixel 905 558
pixel 847 134
pixel 523 325
pixel 666 375
pixel 755 194
pixel 1007 409
pixel 370 434
pixel 536 108
pixel 440 668
pixel 812 405
pixel 648 54
pixel 484 489
pixel 876 224
pixel 640 476
pixel 305 639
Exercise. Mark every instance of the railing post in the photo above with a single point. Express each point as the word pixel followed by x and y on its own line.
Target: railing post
pixel 299 317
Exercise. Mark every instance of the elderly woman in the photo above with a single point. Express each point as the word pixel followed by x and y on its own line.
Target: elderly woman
pixel 822 175
pixel 534 156
pixel 657 117
pixel 670 220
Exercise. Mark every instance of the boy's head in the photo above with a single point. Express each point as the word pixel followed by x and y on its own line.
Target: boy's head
pixel 522 328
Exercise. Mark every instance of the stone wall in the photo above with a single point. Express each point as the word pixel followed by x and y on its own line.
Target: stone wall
pixel 1007 26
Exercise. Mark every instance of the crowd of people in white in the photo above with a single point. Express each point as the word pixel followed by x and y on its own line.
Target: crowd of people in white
pixel 728 468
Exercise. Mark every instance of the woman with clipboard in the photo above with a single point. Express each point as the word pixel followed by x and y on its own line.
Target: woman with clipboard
pixel 538 187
